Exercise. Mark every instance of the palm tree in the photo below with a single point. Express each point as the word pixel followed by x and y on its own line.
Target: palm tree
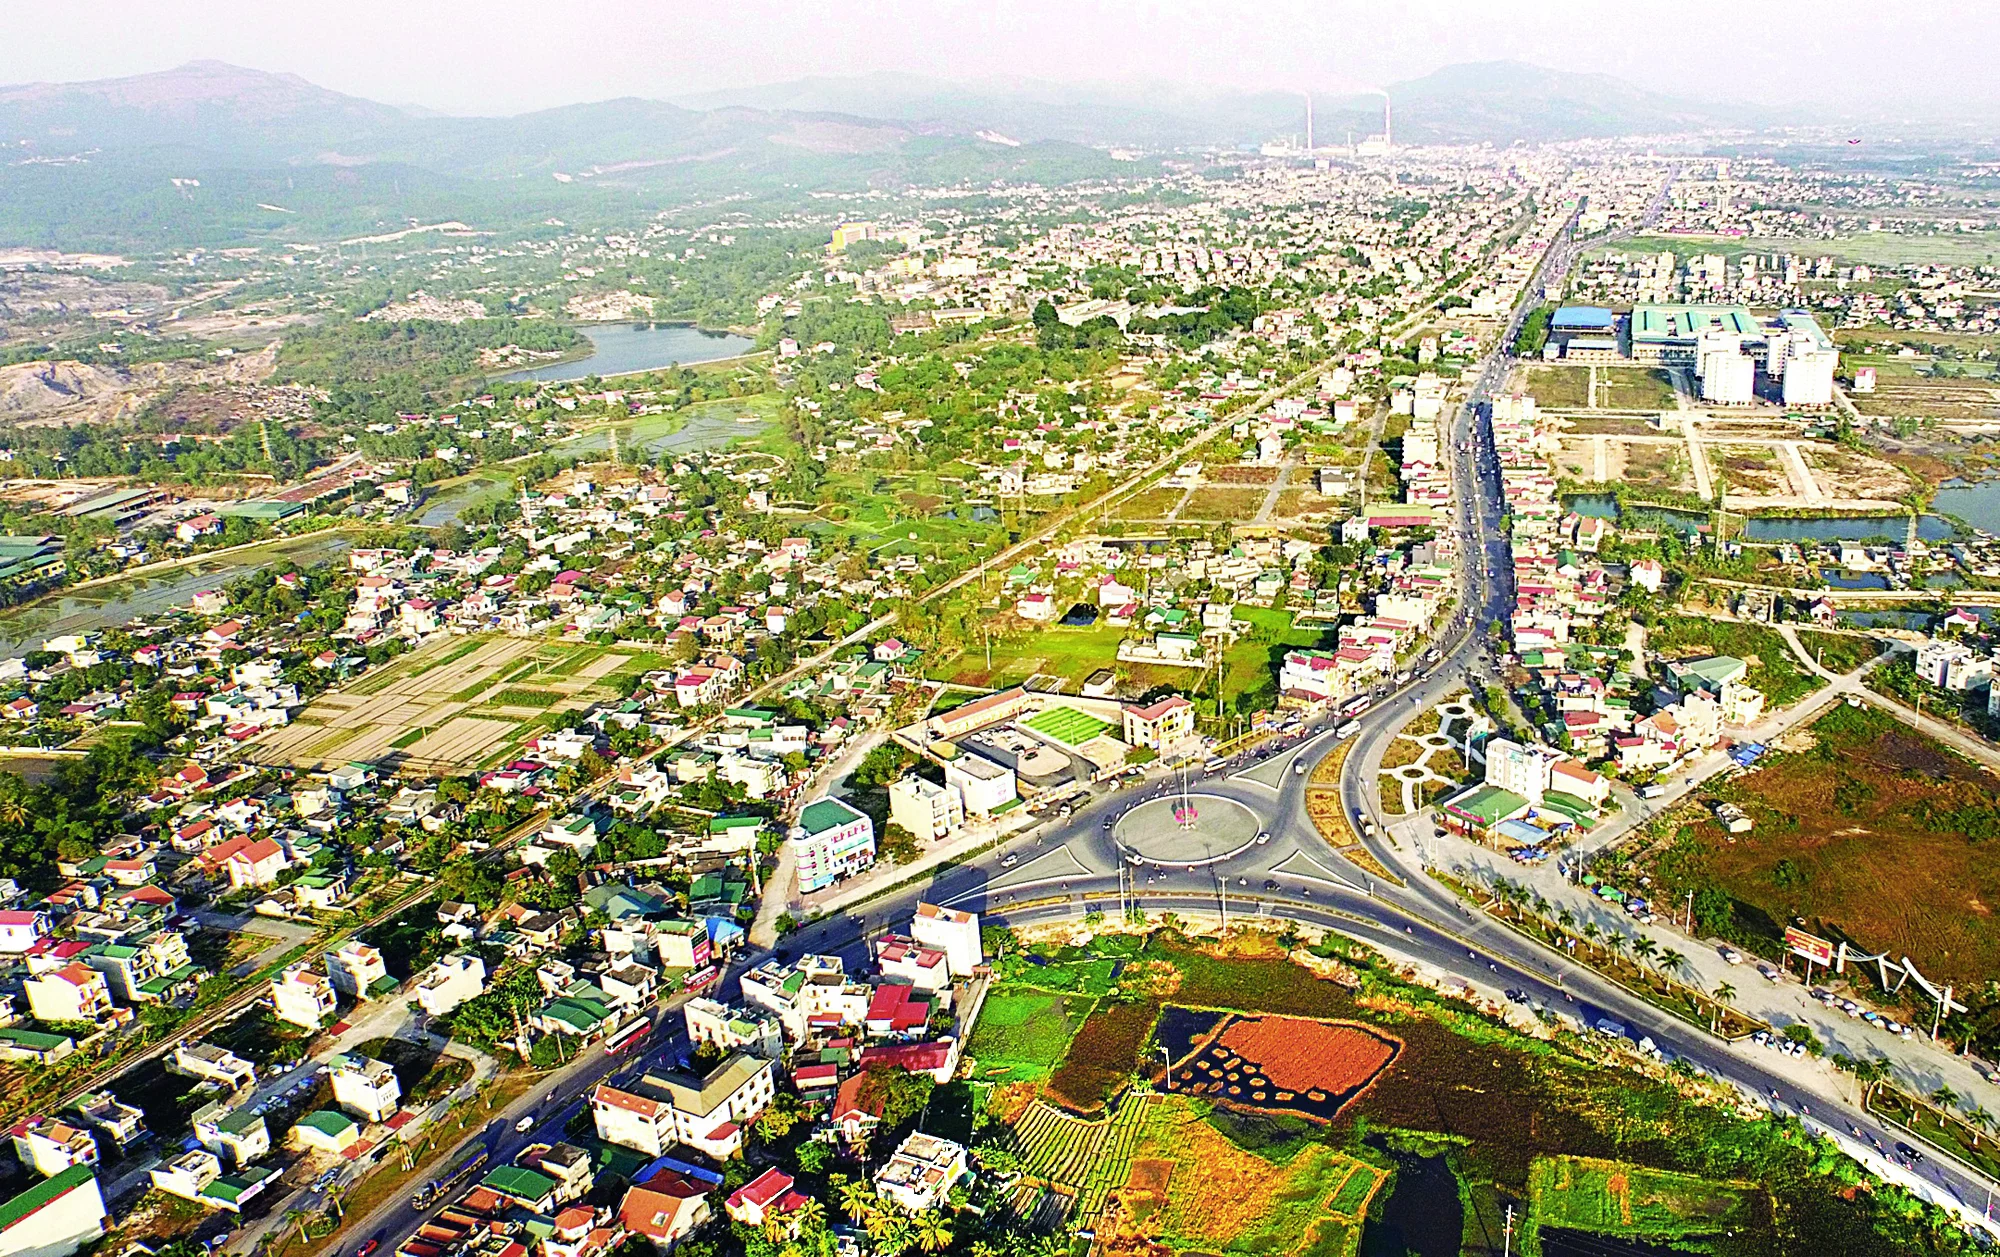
pixel 1979 1119
pixel 811 1215
pixel 1671 961
pixel 933 1232
pixel 776 1226
pixel 1567 920
pixel 1645 949
pixel 1944 1098
pixel 857 1200
pixel 1723 994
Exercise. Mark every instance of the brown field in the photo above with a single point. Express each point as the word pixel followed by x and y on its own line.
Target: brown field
pixel 1289 1064
pixel 1298 503
pixel 1875 834
pixel 1749 469
pixel 1559 387
pixel 1634 388
pixel 1223 504
pixel 1150 503
pixel 1843 473
pixel 1608 425
pixel 1239 474
pixel 1659 466
pixel 1922 397
pixel 451 689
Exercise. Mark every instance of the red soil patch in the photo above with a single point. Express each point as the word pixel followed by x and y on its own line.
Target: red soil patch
pixel 1300 1055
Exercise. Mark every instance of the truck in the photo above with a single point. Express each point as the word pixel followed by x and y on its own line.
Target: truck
pixel 438 1188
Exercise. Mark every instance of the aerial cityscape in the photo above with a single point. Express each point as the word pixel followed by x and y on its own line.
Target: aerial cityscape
pixel 730 636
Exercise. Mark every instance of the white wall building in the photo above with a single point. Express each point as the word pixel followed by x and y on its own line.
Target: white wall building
pixel 952 932
pixel 924 807
pixel 365 1087
pixel 983 786
pixel 53 1218
pixel 1517 769
pixel 664 1109
pixel 450 982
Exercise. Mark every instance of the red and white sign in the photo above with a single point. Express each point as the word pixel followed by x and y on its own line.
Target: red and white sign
pixel 1811 946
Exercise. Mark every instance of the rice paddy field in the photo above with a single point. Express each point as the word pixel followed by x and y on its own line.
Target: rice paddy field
pixel 456 704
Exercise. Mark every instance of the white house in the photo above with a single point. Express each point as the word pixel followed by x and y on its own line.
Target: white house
pixel 450 982
pixel 664 1109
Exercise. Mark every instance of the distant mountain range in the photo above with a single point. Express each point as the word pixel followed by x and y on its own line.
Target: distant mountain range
pixel 210 153
pixel 1493 101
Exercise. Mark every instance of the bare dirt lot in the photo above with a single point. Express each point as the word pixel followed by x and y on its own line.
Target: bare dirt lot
pixel 1843 473
pixel 1753 470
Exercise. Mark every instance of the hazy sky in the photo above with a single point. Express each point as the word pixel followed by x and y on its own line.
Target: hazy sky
pixel 504 56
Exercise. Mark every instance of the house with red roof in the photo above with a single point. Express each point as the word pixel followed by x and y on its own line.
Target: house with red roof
pixel 770 1194
pixel 666 1207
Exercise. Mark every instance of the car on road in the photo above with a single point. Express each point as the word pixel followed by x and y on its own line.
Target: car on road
pixel 1263 836
pixel 1270 883
pixel 1909 1151
pixel 367 1247
pixel 525 1124
pixel 1770 974
pixel 1009 860
pixel 1731 955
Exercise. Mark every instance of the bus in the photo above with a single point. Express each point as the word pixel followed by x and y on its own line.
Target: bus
pixel 628 1035
pixel 1355 706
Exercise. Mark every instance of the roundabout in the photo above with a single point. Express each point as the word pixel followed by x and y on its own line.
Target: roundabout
pixel 1186 829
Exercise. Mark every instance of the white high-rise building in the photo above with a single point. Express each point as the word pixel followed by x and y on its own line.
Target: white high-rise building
pixel 1728 375
pixel 1517 769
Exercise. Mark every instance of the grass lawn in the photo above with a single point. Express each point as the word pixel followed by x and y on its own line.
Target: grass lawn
pixel 516 696
pixel 1228 504
pixel 1619 1198
pixel 1068 725
pixel 1628 388
pixel 1839 652
pixel 1070 653
pixel 1150 503
pixel 1023 1032
pixel 1560 387
pixel 1774 669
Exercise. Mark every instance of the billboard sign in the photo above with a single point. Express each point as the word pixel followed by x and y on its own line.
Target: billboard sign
pixel 1811 946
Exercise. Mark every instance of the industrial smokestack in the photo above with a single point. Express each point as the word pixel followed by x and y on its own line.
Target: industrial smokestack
pixel 1388 139
pixel 1309 122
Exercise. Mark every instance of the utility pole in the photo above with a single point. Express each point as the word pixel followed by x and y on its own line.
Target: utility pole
pixel 1507 1235
pixel 1690 913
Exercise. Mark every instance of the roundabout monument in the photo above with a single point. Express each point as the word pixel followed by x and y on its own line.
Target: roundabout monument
pixel 1186 829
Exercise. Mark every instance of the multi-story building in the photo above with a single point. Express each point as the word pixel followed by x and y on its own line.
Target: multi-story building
pixel 953 932
pixel 53 1218
pixel 813 989
pixel 144 971
pixel 1517 769
pixel 450 982
pixel 75 992
pixel 753 1030
pixel 708 1113
pixel 983 786
pixel 356 969
pixel 212 1064
pixel 903 959
pixel 831 841
pixel 365 1087
pixel 924 807
pixel 921 1172
pixel 237 1135
pixel 303 998
pixel 50 1145
pixel 1160 726
pixel 121 1123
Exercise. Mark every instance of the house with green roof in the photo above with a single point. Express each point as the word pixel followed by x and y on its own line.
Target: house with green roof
pixel 583 1016
pixel 831 841
pixel 17 1044
pixel 526 1188
pixel 326 1131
